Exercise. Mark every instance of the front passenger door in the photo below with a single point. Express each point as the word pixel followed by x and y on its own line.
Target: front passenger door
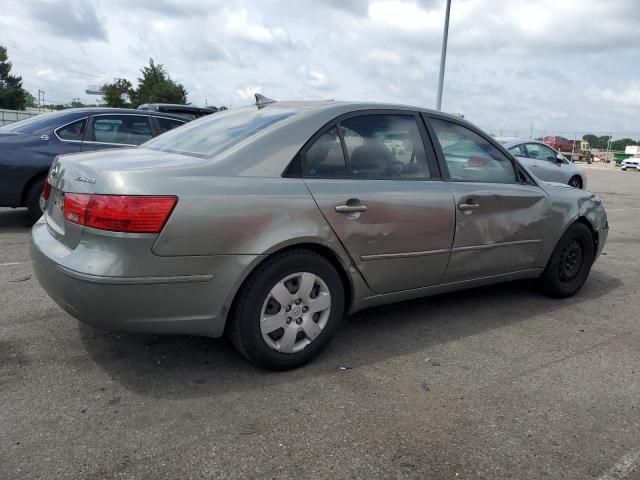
pixel 545 163
pixel 500 222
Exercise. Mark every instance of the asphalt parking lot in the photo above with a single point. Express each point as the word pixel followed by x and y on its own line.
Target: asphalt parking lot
pixel 497 382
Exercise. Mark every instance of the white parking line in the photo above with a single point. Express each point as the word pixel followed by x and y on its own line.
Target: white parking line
pixel 11 263
pixel 621 209
pixel 623 467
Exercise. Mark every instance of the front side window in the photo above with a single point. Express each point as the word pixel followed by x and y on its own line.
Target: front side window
pixel 470 157
pixel 72 132
pixel 324 158
pixel 518 151
pixel 540 152
pixel 166 124
pixel 384 146
pixel 121 129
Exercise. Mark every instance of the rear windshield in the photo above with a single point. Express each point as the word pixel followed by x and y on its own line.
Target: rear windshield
pixel 217 132
pixel 33 124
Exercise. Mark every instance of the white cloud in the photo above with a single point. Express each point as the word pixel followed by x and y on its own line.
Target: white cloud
pixel 240 26
pixel 563 65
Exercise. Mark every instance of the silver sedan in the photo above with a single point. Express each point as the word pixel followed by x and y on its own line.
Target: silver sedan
pixel 271 222
pixel 545 163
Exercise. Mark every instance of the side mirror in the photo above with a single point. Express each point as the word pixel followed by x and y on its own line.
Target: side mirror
pixel 559 158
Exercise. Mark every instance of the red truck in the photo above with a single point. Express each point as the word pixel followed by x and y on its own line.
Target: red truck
pixel 577 150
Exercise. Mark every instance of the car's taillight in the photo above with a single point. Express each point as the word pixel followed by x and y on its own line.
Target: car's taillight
pixel 46 191
pixel 119 213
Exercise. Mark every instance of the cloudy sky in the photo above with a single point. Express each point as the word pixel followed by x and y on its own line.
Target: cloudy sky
pixel 554 65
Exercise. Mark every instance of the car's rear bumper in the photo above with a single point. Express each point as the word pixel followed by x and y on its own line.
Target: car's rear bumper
pixel 162 304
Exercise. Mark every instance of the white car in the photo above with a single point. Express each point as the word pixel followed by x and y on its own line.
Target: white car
pixel 631 163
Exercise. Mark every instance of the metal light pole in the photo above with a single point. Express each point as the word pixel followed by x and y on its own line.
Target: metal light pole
pixel 443 56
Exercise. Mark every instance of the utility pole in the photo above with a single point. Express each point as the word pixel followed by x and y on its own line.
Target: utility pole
pixel 443 56
pixel 40 102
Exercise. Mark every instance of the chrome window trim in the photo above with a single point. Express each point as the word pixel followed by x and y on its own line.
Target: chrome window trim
pixel 91 142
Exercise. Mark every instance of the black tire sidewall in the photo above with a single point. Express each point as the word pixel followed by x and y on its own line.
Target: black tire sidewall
pixel 551 276
pixel 33 199
pixel 248 315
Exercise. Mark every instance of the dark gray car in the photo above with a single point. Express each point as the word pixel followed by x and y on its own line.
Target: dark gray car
pixel 270 222
pixel 28 147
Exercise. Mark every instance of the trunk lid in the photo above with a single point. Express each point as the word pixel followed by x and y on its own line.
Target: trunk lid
pixel 116 172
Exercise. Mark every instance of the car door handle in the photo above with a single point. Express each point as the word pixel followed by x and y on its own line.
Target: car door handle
pixel 535 165
pixel 468 206
pixel 351 208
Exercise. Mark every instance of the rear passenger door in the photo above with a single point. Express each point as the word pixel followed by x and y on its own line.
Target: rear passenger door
pixel 378 185
pixel 500 221
pixel 113 131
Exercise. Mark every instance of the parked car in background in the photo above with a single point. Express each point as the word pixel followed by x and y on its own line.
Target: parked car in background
pixel 270 222
pixel 28 147
pixel 187 111
pixel 544 162
pixel 631 163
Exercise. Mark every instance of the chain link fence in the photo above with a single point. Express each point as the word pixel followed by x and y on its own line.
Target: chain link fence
pixel 10 116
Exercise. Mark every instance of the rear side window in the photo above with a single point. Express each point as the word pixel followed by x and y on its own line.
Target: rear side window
pixel 518 151
pixel 384 146
pixel 166 124
pixel 72 132
pixel 121 129
pixel 470 157
pixel 325 158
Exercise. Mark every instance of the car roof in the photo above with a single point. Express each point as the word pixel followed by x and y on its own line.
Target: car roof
pixel 115 111
pixel 177 106
pixel 508 142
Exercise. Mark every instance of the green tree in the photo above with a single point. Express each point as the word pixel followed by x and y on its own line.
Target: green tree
pixel 118 94
pixel 155 86
pixel 619 145
pixel 12 95
pixel 597 142
pixel 30 101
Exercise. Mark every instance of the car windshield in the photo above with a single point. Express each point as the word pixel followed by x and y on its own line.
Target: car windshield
pixel 33 124
pixel 217 132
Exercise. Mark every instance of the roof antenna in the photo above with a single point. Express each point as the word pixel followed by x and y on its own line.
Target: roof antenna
pixel 261 100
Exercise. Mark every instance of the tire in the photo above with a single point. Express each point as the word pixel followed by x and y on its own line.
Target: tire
pixel 570 263
pixel 575 182
pixel 623 169
pixel 33 199
pixel 270 345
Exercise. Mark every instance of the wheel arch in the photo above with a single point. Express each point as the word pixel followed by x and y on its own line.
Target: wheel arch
pixel 323 250
pixel 42 174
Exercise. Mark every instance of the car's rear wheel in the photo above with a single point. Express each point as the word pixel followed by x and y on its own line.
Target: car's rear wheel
pixel 288 310
pixel 575 182
pixel 33 199
pixel 570 263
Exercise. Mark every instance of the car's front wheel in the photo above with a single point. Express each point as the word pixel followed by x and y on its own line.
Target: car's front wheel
pixel 570 262
pixel 575 182
pixel 288 310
